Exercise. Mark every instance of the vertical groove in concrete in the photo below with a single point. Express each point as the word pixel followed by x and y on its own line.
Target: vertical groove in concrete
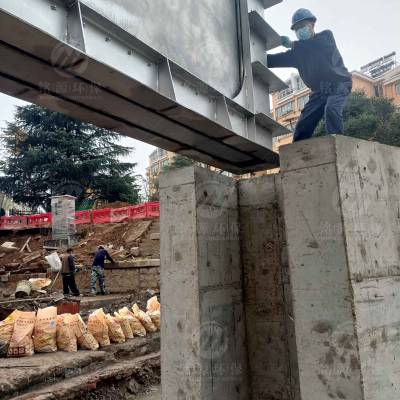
pixel 267 333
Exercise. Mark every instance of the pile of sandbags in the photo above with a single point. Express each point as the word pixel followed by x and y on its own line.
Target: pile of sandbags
pixel 25 333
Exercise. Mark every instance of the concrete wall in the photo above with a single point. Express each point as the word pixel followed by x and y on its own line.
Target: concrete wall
pixel 341 202
pixel 270 332
pixel 203 325
pixel 305 305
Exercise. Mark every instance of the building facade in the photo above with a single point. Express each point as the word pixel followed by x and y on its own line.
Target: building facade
pixel 158 159
pixel 380 78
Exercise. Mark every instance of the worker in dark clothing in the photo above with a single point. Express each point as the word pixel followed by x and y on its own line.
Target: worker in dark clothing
pixel 321 68
pixel 98 269
pixel 67 272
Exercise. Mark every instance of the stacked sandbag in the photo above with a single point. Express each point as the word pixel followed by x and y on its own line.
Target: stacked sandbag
pixel 114 330
pixel 23 333
pixel 21 343
pixel 86 340
pixel 125 325
pixel 97 326
pixel 137 328
pixel 66 338
pixel 6 331
pixel 144 319
pixel 154 311
pixel 45 330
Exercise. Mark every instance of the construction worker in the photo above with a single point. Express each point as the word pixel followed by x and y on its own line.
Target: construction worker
pixel 100 256
pixel 67 272
pixel 321 68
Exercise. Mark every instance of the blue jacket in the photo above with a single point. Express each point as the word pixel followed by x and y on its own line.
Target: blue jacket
pixel 318 61
pixel 100 256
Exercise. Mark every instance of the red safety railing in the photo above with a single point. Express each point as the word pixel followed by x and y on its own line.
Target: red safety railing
pixel 120 214
pixel 13 223
pixel 102 216
pixel 153 209
pixel 82 217
pixel 138 212
pixel 39 220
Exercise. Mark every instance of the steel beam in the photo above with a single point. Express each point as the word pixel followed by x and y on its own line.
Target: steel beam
pixel 71 58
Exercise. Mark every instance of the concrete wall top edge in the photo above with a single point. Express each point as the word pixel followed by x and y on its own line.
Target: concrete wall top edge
pixel 308 153
pixel 192 174
pixel 258 192
pixel 180 176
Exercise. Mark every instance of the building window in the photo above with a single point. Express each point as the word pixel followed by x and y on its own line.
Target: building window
pixel 398 88
pixel 285 92
pixel 378 91
pixel 302 101
pixel 299 83
pixel 285 109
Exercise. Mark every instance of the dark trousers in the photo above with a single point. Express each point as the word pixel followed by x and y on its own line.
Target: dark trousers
pixel 323 103
pixel 69 284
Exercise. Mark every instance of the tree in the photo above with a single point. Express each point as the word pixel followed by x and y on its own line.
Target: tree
pixel 370 118
pixel 178 161
pixel 49 153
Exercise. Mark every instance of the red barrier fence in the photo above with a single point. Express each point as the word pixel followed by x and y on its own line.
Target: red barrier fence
pixel 82 217
pixel 39 220
pixel 102 216
pixel 13 223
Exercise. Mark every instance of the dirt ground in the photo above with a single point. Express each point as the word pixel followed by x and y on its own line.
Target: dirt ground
pixel 144 386
pixel 117 236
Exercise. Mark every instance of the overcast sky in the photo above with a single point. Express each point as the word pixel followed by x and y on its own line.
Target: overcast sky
pixel 364 30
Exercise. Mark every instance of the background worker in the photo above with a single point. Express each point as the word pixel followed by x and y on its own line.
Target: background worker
pixel 100 256
pixel 68 273
pixel 322 69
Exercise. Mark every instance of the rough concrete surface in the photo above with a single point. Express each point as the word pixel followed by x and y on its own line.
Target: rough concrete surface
pixel 203 325
pixel 292 280
pixel 341 201
pixel 269 331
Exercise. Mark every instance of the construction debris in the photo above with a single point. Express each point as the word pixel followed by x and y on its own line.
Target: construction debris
pixel 23 256
pixel 26 246
pixel 9 247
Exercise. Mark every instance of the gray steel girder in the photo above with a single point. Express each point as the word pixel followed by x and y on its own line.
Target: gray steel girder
pixel 85 60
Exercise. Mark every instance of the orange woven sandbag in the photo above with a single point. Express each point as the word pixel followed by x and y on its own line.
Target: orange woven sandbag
pixel 114 330
pixel 137 328
pixel 21 343
pixel 155 318
pixel 125 325
pixel 86 340
pixel 66 338
pixel 45 330
pixel 6 331
pixel 97 326
pixel 144 319
pixel 153 305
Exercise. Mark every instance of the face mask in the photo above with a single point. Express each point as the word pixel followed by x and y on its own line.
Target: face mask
pixel 304 33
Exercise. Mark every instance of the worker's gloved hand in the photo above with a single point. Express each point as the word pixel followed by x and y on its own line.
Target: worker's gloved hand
pixel 286 42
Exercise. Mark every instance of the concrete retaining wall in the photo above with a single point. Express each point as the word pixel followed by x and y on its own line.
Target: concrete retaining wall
pixel 342 215
pixel 203 325
pixel 307 302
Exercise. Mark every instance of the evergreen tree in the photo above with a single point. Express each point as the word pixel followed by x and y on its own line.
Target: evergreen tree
pixel 49 153
pixel 370 118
